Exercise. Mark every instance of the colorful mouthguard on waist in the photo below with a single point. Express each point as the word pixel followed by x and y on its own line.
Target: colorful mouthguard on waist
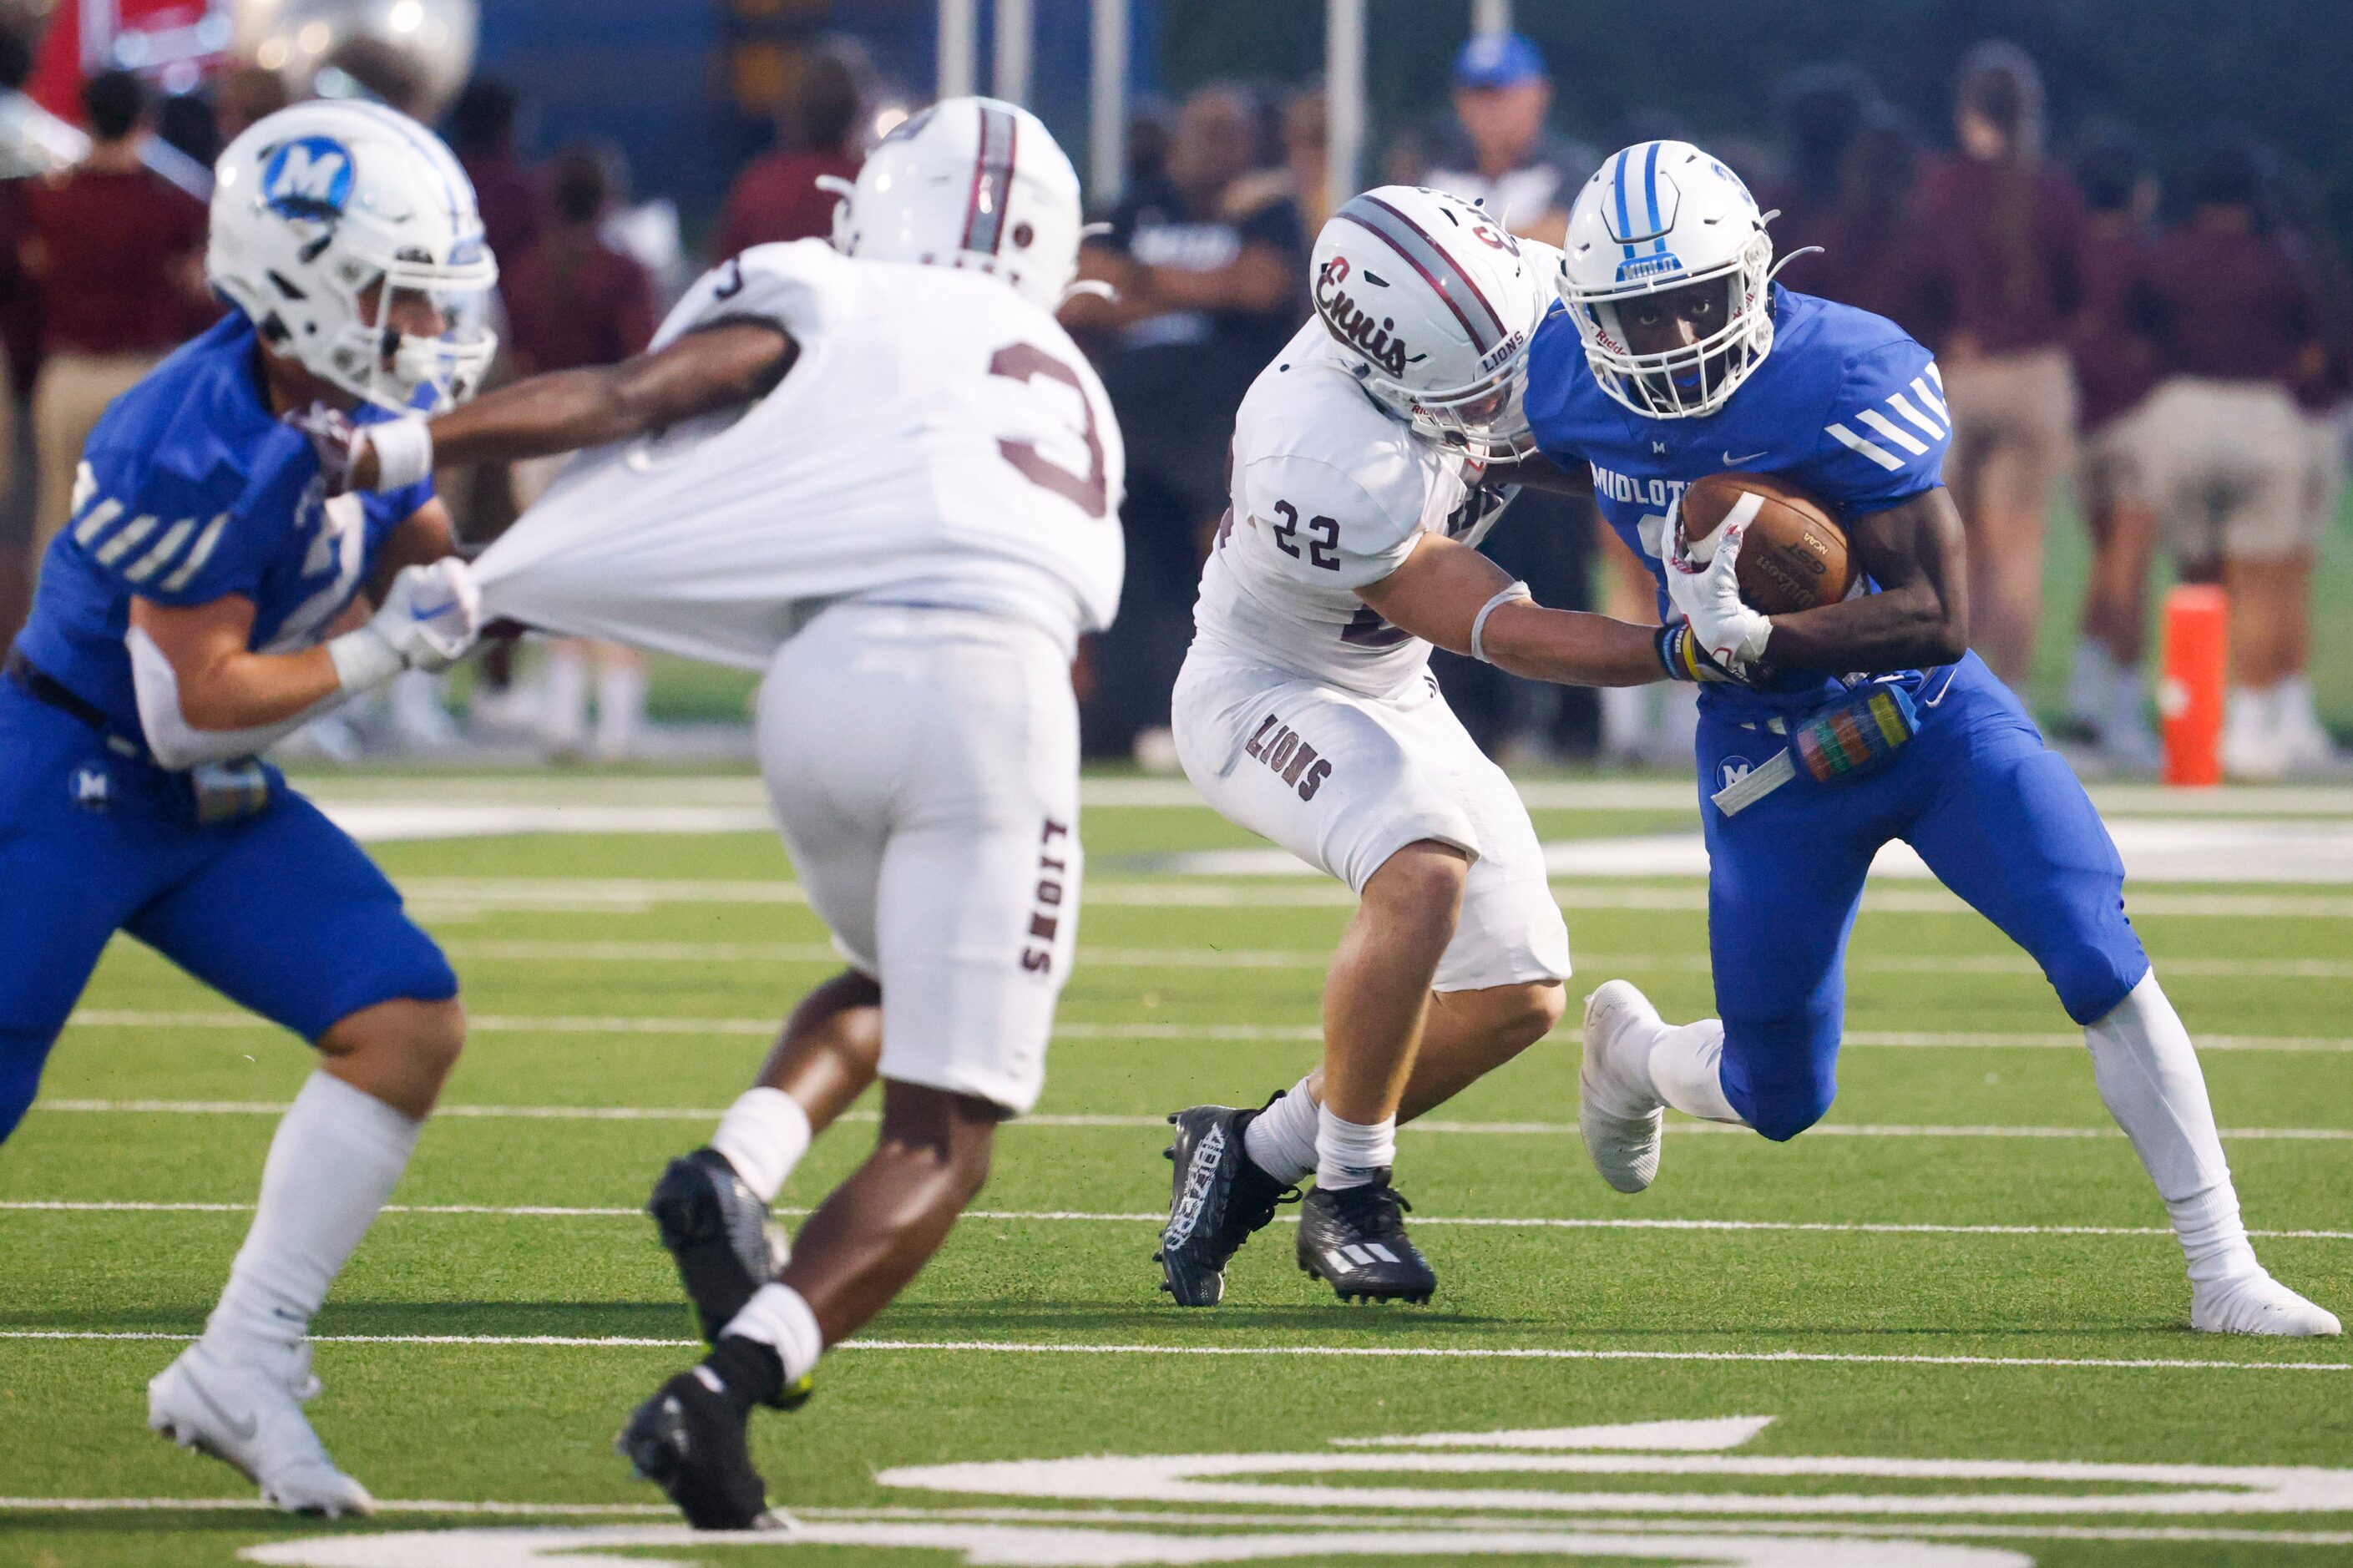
pixel 1857 734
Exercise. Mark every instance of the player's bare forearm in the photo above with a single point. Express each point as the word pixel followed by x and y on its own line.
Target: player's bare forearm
pixel 1920 617
pixel 721 366
pixel 1439 591
pixel 223 683
pixel 1259 278
pixel 425 536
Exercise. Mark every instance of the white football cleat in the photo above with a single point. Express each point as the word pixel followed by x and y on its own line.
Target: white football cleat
pixel 2258 1304
pixel 1619 1112
pixel 252 1419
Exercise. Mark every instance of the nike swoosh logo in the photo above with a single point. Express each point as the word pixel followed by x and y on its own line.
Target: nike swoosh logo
pixel 1732 462
pixel 432 612
pixel 242 1431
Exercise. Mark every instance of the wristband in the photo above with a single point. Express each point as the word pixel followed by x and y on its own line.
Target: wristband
pixel 403 452
pixel 1681 657
pixel 363 659
pixel 1479 622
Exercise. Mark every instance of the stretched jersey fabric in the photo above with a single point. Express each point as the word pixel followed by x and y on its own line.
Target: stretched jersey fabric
pixel 190 490
pixel 1846 405
pixel 939 441
pixel 1330 493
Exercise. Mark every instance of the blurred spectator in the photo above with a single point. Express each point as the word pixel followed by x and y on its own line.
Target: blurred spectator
pixel 1823 109
pixel 2236 324
pixel 2324 389
pixel 20 337
pixel 2009 229
pixel 1207 293
pixel 482 134
pixel 576 302
pixel 118 252
pixel 1501 150
pixel 1885 260
pixel 245 93
pixel 1300 177
pixel 186 122
pixel 2115 368
pixel 823 131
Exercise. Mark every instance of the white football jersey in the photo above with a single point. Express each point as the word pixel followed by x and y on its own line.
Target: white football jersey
pixel 1330 493
pixel 939 441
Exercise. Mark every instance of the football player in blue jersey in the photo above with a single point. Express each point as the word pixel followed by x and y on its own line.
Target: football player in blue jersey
pixel 207 598
pixel 1675 357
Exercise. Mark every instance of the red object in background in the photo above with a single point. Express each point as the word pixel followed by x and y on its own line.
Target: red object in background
pixel 77 46
pixel 2197 674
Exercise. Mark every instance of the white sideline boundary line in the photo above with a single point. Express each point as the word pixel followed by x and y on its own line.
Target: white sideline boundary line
pixel 1394 1353
pixel 765 1028
pixel 1428 1126
pixel 2017 963
pixel 1068 1217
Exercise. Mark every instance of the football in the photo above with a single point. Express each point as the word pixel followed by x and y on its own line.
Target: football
pixel 1793 556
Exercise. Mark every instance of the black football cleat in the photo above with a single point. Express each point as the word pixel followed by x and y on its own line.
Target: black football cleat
pixel 690 1440
pixel 1218 1197
pixel 1353 1239
pixel 718 1233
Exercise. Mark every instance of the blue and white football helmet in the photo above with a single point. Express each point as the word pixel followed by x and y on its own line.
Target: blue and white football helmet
pixel 1662 216
pixel 320 215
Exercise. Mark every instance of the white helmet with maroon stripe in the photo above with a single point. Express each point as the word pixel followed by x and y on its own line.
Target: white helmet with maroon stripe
pixel 1433 304
pixel 969 181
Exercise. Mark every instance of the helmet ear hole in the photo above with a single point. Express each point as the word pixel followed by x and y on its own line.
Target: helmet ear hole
pixel 1024 237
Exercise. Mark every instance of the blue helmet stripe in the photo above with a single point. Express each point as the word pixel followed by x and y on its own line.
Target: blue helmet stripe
pixel 1651 190
pixel 1485 328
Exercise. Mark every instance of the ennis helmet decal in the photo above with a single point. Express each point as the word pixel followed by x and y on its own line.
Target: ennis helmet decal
pixel 308 178
pixel 1353 325
pixel 1418 251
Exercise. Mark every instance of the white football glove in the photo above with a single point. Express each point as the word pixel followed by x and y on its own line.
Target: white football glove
pixel 1708 594
pixel 430 618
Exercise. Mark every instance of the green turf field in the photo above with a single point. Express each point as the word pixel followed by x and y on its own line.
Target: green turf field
pixel 1943 1328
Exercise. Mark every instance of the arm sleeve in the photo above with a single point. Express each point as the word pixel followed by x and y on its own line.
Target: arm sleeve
pixel 1333 528
pixel 1884 438
pixel 178 744
pixel 165 537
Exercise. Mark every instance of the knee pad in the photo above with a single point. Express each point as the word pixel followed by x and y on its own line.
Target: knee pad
pixel 1782 1074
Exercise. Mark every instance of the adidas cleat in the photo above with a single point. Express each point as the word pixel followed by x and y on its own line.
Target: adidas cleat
pixel 1619 1112
pixel 690 1439
pixel 1218 1198
pixel 719 1234
pixel 251 1419
pixel 1353 1239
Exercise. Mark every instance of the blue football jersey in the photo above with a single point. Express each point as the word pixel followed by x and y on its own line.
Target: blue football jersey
pixel 190 490
pixel 1847 406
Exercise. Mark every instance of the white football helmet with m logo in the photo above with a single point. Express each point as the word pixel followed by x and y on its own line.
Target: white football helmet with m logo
pixel 325 214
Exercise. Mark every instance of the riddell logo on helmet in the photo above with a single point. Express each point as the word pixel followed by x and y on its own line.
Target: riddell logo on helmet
pixel 1353 326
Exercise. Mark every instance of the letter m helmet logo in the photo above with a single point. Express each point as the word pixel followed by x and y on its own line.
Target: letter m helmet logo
pixel 310 178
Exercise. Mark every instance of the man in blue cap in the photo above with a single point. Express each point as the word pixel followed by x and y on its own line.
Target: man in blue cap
pixel 1501 150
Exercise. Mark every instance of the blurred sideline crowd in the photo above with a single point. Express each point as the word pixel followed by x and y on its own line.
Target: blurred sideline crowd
pixel 2176 344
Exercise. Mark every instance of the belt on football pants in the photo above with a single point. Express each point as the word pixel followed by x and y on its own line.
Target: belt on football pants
pixel 1852 738
pixel 43 688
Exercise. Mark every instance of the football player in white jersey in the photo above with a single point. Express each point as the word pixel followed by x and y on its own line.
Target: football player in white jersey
pixel 1369 460
pixel 881 472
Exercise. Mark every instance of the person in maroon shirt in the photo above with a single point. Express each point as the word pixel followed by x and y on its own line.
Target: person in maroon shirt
pixel 2116 369
pixel 2008 229
pixel 824 129
pixel 574 302
pixel 482 132
pixel 2237 325
pixel 1822 110
pixel 118 253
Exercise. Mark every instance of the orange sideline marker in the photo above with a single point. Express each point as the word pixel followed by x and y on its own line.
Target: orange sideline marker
pixel 2197 672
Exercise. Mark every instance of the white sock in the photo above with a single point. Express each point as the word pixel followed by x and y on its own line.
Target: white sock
pixel 779 1319
pixel 2092 682
pixel 764 1135
pixel 1350 1154
pixel 1280 1140
pixel 1687 1071
pixel 564 714
pixel 2149 1077
pixel 620 708
pixel 332 1165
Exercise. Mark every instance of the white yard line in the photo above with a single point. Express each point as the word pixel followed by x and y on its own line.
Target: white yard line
pixel 1428 1126
pixel 1067 1217
pixel 1400 1352
pixel 1317 959
pixel 764 1029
